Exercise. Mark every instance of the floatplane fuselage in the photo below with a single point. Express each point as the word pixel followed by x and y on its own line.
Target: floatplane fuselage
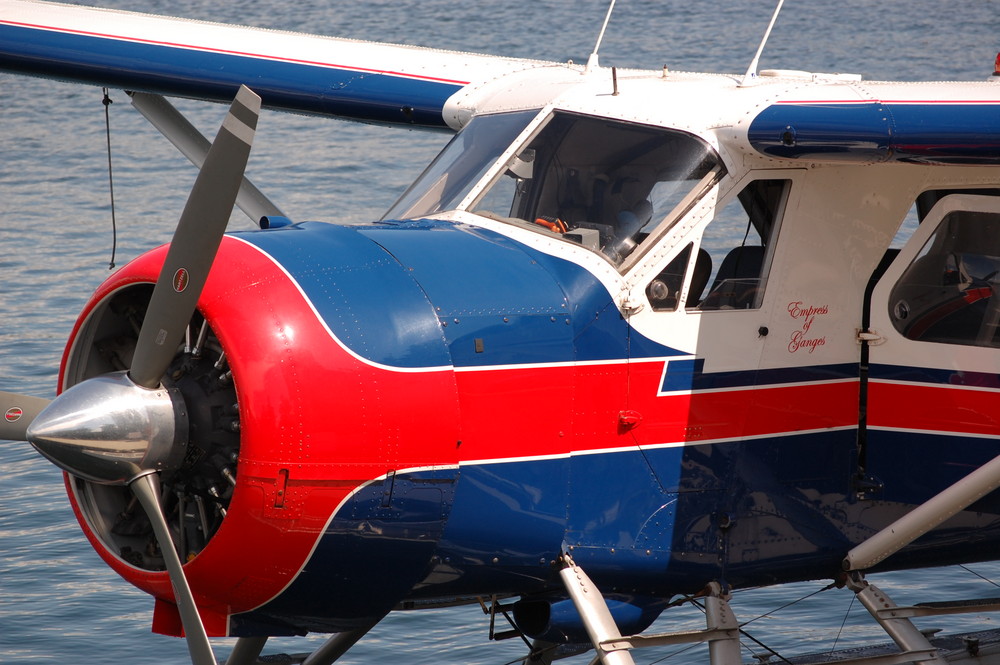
pixel 669 329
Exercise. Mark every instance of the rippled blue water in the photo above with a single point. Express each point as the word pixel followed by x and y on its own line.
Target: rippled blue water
pixel 58 602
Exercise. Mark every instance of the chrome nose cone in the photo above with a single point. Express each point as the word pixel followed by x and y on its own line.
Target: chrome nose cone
pixel 109 430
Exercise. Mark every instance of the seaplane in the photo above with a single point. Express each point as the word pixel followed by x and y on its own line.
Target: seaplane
pixel 634 339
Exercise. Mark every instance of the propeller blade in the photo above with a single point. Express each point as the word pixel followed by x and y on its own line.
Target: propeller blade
pixel 196 242
pixel 146 488
pixel 18 412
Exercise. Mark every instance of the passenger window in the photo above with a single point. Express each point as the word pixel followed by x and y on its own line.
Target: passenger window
pixel 740 243
pixel 949 293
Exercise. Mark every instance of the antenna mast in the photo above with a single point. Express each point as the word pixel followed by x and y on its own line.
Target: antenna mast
pixel 592 60
pixel 752 69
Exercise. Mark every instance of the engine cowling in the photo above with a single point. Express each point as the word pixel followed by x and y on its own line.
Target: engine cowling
pixel 286 425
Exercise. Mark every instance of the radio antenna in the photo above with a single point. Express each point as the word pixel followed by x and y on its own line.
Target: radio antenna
pixel 592 60
pixel 752 70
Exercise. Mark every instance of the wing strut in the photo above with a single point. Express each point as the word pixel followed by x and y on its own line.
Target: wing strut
pixel 192 144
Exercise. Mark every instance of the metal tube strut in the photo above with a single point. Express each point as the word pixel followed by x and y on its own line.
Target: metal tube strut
pixel 925 517
pixel 336 646
pixel 597 619
pixel 246 651
pixel 192 144
pixel 719 617
pixel 898 627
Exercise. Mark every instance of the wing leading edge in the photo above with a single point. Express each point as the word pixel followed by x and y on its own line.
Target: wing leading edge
pixel 291 71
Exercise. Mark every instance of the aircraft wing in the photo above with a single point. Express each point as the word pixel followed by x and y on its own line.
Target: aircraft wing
pixel 290 71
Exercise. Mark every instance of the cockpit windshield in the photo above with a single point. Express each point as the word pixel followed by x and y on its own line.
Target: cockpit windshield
pixel 601 183
pixel 463 163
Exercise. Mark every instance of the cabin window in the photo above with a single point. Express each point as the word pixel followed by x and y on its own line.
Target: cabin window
pixel 601 183
pixel 950 293
pixel 736 249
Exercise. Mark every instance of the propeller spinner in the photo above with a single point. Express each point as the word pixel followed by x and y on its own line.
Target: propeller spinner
pixel 122 428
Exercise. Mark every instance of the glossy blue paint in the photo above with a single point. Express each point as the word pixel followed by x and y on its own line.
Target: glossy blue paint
pixel 484 287
pixel 944 459
pixel 370 302
pixel 168 70
pixel 850 132
pixel 375 549
pixel 932 133
pixel 557 620
pixel 421 293
pixel 945 377
pixel 514 512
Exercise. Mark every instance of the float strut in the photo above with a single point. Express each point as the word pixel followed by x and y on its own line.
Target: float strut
pixel 719 616
pixel 895 624
pixel 336 646
pixel 601 627
pixel 246 651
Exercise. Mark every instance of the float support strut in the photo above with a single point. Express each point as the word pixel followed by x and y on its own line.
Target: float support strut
pixel 895 624
pixel 719 617
pixel 600 625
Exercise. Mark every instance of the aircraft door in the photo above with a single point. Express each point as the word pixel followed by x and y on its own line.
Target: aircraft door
pixel 706 302
pixel 933 380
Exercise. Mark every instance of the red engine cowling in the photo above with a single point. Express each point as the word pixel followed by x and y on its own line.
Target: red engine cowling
pixel 286 425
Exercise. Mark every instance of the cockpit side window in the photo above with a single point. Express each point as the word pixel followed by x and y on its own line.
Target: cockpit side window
pixel 665 290
pixel 602 183
pixel 739 243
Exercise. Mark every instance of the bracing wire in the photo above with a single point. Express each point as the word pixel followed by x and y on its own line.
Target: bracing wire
pixel 789 604
pixel 745 623
pixel 982 577
pixel 842 624
pixel 111 180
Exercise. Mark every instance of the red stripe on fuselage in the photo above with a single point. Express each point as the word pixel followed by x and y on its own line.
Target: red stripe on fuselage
pixel 753 411
pixel 935 408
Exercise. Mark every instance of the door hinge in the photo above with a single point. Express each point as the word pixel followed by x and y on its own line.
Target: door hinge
pixel 870 337
pixel 632 306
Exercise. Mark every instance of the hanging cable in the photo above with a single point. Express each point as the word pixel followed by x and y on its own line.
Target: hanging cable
pixel 111 180
pixel 985 579
pixel 789 604
pixel 743 632
pixel 842 624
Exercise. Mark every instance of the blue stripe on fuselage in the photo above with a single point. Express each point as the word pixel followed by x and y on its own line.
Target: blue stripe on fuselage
pixel 189 72
pixel 928 375
pixel 688 374
pixel 933 133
